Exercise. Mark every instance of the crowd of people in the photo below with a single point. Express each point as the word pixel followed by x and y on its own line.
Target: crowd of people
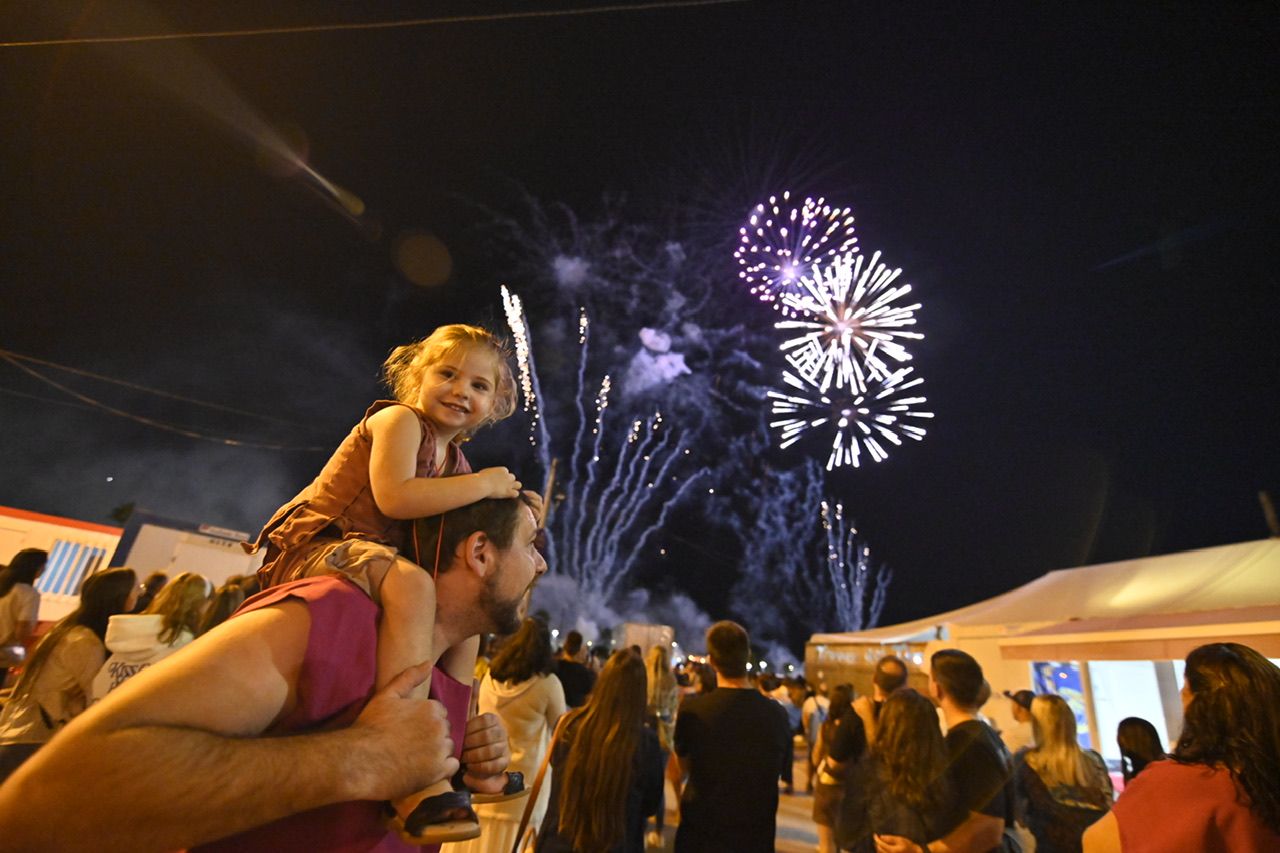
pixel 892 770
pixel 918 783
pixel 346 706
pixel 119 628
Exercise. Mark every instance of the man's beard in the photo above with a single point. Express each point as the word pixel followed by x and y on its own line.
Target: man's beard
pixel 504 616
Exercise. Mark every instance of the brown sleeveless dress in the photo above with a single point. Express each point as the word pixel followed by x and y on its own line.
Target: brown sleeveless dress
pixel 334 523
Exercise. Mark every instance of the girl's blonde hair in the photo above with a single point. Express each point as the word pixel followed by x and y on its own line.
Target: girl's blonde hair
pixel 181 604
pixel 405 367
pixel 1057 756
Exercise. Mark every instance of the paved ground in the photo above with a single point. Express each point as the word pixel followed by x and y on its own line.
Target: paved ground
pixel 796 831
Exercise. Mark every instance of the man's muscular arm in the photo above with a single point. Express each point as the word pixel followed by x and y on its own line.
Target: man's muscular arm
pixel 172 759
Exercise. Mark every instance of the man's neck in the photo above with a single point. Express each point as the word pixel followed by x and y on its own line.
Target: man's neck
pixel 453 624
pixel 723 680
pixel 955 715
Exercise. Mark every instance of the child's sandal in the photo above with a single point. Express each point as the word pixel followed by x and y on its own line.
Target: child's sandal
pixel 440 819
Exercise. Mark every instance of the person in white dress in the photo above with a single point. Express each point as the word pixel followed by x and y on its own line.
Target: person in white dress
pixel 520 689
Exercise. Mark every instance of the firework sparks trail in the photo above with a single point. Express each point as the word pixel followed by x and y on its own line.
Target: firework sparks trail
pixel 530 392
pixel 613 486
pixel 781 243
pixel 860 419
pixel 851 572
pixel 848 319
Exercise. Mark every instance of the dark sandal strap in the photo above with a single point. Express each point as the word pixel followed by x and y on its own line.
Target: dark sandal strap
pixel 450 807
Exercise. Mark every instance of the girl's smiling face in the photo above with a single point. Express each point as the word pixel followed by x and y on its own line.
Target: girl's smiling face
pixel 458 390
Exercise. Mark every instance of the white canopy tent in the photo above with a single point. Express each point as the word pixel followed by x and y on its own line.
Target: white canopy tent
pixel 1149 609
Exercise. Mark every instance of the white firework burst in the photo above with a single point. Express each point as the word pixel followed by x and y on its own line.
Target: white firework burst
pixel 849 323
pixel 860 419
pixel 781 242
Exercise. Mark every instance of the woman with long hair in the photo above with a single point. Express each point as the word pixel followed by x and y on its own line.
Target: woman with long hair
pixel 1139 744
pixel 830 774
pixel 225 601
pixel 55 684
pixel 1065 788
pixel 608 768
pixel 520 688
pixel 901 786
pixel 19 605
pixel 1220 790
pixel 137 640
pixel 663 698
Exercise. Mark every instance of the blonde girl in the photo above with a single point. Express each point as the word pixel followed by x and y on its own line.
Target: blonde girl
pixel 403 461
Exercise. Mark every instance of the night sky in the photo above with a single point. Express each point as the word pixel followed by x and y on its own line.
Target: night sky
pixel 1084 197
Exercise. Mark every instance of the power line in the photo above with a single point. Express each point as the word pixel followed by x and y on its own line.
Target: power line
pixel 151 422
pixel 13 392
pixel 9 354
pixel 372 25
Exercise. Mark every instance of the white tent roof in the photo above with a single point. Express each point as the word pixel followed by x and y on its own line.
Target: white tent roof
pixel 1244 578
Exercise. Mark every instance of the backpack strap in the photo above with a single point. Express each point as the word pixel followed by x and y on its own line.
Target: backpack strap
pixel 532 799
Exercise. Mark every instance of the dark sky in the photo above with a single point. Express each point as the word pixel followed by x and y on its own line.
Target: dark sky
pixel 1084 197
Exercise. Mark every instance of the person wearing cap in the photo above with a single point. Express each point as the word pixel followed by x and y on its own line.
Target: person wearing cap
pixel 1018 736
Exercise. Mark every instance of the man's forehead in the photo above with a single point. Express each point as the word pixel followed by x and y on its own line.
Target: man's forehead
pixel 528 522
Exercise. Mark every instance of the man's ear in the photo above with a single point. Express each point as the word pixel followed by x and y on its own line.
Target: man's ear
pixel 477 553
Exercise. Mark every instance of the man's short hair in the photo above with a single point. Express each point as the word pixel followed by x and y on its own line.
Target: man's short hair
pixel 958 675
pixel 729 648
pixel 891 673
pixel 572 643
pixel 495 517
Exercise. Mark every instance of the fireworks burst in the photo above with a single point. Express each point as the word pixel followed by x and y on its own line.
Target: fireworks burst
pixel 848 320
pixel 514 310
pixel 781 242
pixel 861 419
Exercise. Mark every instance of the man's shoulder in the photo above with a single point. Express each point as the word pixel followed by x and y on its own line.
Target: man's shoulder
pixel 572 669
pixel 733 700
pixel 971 733
pixel 974 743
pixel 326 589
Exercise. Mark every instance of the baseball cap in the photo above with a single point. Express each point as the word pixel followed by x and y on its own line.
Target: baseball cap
pixel 1022 697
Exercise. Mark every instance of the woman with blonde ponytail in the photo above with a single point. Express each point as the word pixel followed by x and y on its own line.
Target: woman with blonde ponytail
pixel 1065 788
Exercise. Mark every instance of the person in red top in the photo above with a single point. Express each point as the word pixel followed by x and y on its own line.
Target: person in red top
pixel 271 727
pixel 1220 792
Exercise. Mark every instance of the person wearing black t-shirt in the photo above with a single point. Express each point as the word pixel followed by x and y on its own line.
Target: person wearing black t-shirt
pixel 981 768
pixel 576 679
pixel 732 744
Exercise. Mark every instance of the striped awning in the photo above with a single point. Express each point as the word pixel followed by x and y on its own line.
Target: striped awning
pixel 69 564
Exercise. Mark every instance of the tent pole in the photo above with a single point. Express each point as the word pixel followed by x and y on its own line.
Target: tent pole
pixel 1090 713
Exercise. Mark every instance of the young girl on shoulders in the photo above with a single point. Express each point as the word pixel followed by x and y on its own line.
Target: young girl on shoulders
pixel 403 461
